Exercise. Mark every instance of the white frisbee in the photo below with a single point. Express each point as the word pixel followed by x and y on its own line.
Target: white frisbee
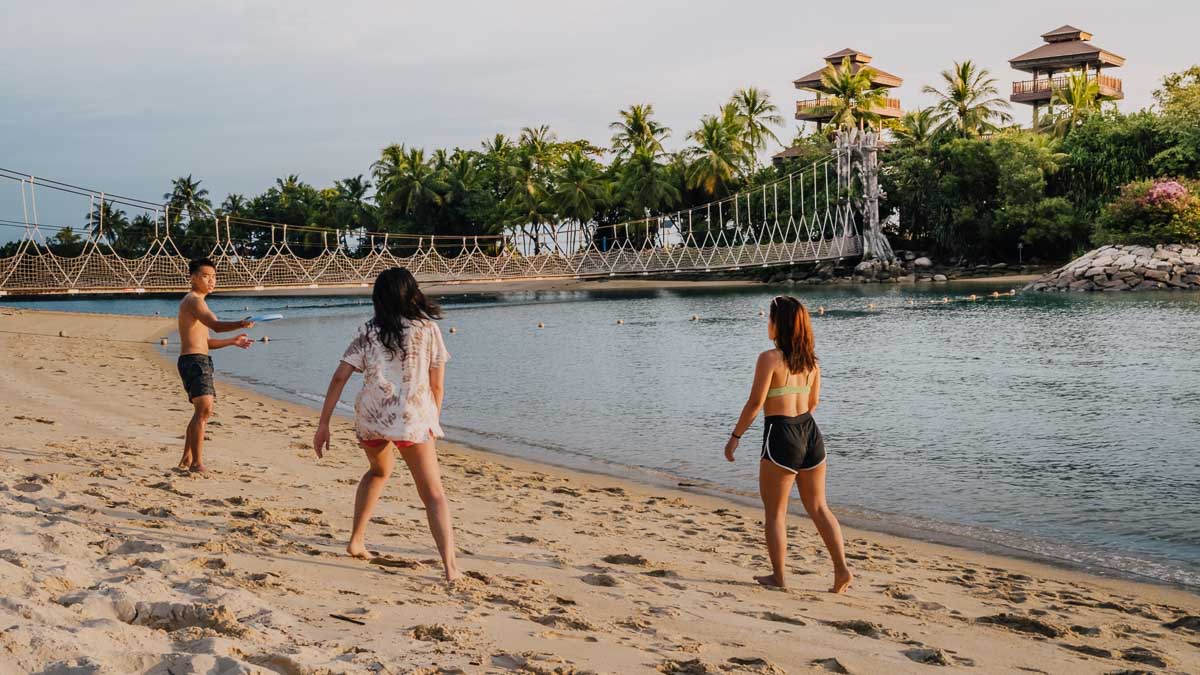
pixel 263 318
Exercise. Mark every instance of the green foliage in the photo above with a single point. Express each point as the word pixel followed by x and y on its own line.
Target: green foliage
pixel 967 105
pixel 1179 100
pixel 1159 211
pixel 853 98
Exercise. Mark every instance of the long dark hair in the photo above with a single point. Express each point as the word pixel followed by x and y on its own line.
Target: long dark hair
pixel 793 333
pixel 397 297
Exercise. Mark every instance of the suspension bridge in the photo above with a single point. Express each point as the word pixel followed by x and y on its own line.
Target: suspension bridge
pixel 825 211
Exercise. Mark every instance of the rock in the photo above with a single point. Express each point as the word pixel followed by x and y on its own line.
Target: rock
pixel 1156 275
pixel 1004 266
pixel 923 262
pixel 939 277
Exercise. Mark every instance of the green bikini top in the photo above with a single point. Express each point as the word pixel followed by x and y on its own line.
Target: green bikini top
pixel 794 389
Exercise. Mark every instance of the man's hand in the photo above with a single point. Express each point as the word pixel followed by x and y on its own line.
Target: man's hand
pixel 321 440
pixel 243 341
pixel 247 323
pixel 730 448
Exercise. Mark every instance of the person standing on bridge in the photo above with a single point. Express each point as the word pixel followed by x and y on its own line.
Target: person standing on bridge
pixel 195 364
pixel 787 384
pixel 402 358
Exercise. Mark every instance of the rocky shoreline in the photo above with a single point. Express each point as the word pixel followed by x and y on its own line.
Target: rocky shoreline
pixel 1127 268
pixel 909 267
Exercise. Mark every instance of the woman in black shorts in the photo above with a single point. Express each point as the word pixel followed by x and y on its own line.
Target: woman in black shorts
pixel 787 385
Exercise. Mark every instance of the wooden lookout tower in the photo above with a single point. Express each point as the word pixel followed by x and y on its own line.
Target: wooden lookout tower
pixel 1067 50
pixel 818 109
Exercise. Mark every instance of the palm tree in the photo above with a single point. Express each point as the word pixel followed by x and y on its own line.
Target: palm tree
pixel 916 127
pixel 107 220
pixel 853 97
pixel 645 185
pixel 719 155
pixel 417 187
pixel 579 190
pixel 528 192
pixel 187 195
pixel 1072 103
pixel 969 105
pixel 758 115
pixel 636 129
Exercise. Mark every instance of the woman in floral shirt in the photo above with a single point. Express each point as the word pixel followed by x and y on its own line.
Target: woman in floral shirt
pixel 402 358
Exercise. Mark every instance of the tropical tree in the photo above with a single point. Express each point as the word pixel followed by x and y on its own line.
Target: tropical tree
pixel 187 196
pixel 916 127
pixel 758 115
pixel 853 97
pixel 1070 104
pixel 65 243
pixel 579 190
pixel 108 220
pixel 414 190
pixel 969 104
pixel 637 129
pixel 718 156
pixel 645 185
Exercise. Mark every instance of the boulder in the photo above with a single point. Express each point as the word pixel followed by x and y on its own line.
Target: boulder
pixel 923 262
pixel 939 277
pixel 1157 275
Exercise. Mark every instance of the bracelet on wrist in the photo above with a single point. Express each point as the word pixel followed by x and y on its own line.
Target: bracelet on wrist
pixel 735 435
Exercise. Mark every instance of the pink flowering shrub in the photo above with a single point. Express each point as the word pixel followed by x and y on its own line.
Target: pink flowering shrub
pixel 1159 211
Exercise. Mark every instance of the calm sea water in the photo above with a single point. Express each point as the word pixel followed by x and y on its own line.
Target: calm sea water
pixel 1062 426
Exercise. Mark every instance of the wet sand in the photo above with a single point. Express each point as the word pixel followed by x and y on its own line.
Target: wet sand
pixel 110 561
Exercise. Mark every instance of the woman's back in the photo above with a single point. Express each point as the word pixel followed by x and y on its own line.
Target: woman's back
pixel 790 394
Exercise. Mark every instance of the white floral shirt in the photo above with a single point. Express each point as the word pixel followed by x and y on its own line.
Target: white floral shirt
pixel 396 402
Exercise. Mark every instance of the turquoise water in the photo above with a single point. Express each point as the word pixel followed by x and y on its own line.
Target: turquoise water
pixel 1062 426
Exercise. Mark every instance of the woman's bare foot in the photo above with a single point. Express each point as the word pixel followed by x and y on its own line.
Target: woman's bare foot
pixel 841 581
pixel 357 550
pixel 198 468
pixel 185 462
pixel 770 581
pixel 452 575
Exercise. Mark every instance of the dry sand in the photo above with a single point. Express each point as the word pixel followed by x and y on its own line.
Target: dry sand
pixel 111 562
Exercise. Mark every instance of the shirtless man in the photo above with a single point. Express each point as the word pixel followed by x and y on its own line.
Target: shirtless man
pixel 195 365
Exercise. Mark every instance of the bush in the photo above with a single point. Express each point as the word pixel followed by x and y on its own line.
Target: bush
pixel 1159 211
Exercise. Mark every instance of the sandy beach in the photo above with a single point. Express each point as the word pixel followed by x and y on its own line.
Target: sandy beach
pixel 113 562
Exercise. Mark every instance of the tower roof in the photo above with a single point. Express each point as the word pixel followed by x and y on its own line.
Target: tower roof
pixel 1066 47
pixel 1066 32
pixel 858 61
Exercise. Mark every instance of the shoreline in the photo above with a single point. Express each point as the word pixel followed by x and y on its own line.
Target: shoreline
pixel 542 285
pixel 705 614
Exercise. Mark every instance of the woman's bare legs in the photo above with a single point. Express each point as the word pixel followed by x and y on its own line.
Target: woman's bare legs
pixel 812 493
pixel 774 486
pixel 422 463
pixel 369 488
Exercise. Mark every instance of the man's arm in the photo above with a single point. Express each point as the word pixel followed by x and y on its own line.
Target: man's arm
pixel 242 341
pixel 205 316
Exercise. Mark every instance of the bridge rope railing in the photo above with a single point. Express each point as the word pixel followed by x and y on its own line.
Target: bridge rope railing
pixel 807 215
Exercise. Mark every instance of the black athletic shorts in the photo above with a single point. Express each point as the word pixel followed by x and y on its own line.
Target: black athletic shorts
pixel 793 443
pixel 196 371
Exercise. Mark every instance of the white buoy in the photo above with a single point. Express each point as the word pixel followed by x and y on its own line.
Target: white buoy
pixel 541 325
pixel 453 329
pixel 695 317
pixel 1012 291
pixel 762 312
pixel 163 342
pixel 266 339
pixel 870 305
pixel 620 321
pixel 821 310
pixel 973 297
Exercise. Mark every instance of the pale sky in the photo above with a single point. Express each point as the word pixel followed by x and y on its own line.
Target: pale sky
pixel 125 95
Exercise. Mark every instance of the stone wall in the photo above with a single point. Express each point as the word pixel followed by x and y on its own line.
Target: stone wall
pixel 1127 268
